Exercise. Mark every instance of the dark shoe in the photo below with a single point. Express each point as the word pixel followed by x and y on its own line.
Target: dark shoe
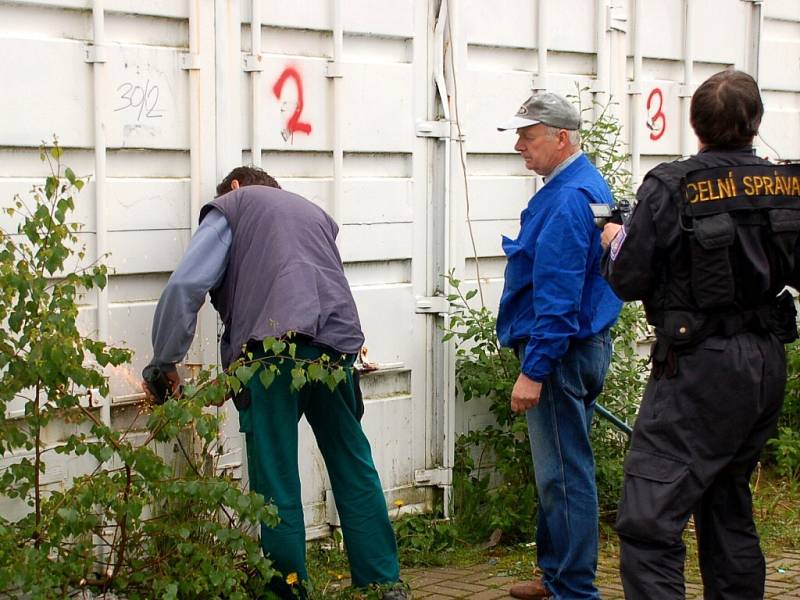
pixel 397 594
pixel 529 590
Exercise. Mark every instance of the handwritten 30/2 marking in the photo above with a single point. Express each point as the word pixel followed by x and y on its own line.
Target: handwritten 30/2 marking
pixel 656 122
pixel 145 98
pixel 293 124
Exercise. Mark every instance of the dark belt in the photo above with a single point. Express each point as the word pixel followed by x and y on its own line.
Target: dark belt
pixel 685 329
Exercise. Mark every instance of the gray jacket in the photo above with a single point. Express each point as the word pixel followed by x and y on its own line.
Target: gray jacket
pixel 284 273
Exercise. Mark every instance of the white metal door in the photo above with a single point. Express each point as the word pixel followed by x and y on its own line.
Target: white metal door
pixel 325 95
pixel 126 86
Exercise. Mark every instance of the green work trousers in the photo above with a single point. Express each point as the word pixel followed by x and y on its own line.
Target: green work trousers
pixel 270 425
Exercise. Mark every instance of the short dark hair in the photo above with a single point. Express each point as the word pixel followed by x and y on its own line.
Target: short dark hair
pixel 246 176
pixel 726 110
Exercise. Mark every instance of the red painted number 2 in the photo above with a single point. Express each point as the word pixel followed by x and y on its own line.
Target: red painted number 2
pixel 294 124
pixel 656 121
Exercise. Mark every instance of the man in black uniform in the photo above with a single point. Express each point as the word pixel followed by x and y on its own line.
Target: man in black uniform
pixel 708 249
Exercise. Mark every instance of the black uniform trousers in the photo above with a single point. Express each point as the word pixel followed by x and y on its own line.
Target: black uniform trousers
pixel 696 442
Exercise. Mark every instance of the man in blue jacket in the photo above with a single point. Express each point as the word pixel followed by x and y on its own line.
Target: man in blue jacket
pixel 556 311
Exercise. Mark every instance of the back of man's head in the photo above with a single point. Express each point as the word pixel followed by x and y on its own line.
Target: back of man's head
pixel 246 176
pixel 726 110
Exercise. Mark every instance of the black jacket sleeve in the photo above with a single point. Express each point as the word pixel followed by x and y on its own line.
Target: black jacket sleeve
pixel 630 262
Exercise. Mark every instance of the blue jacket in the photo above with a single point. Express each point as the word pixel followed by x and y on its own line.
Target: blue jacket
pixel 553 287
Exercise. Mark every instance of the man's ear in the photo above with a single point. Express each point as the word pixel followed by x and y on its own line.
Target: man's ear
pixel 235 184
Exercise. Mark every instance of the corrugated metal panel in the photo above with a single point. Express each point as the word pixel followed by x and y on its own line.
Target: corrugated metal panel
pixel 144 106
pixel 500 68
pixel 782 9
pixel 384 194
pixel 779 71
pixel 171 133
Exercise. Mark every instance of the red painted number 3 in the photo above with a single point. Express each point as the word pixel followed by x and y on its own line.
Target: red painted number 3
pixel 294 123
pixel 656 121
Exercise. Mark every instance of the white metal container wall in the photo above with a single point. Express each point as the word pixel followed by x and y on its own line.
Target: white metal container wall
pixel 118 83
pixel 331 94
pixel 649 63
pixel 177 107
pixel 328 115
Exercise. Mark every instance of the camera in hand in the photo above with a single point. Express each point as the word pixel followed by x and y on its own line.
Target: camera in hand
pixel 605 213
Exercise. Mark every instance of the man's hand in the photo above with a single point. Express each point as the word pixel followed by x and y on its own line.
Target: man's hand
pixel 610 231
pixel 174 384
pixel 525 394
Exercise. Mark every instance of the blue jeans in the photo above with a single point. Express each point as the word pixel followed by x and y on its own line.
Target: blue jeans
pixel 559 427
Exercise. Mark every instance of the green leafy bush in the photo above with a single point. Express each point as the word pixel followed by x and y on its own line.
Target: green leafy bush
pixel 424 539
pixel 138 524
pixel 785 447
pixel 790 415
pixel 601 142
pixel 783 450
pixel 493 480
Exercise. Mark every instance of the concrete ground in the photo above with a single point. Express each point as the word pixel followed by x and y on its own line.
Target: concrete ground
pixel 486 582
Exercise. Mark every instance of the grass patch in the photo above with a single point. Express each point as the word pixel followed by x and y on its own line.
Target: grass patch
pixel 776 506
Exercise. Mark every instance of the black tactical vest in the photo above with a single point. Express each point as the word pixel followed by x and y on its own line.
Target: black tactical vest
pixel 739 217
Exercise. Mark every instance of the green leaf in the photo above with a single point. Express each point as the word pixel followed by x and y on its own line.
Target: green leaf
pixel 50 187
pixel 339 375
pixel 298 378
pixel 234 383
pixel 266 376
pixel 68 514
pixel 171 592
pixel 315 372
pixel 243 503
pixel 105 453
pixel 246 372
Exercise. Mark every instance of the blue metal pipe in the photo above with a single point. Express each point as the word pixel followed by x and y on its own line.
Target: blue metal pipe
pixel 614 419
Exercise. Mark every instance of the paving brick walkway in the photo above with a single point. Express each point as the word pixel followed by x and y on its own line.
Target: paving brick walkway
pixel 487 582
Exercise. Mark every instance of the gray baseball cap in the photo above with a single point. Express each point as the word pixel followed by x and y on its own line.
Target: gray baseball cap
pixel 547 108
